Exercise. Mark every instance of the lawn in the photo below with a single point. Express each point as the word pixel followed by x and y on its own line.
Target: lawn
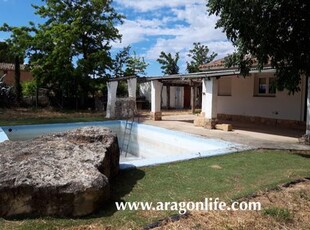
pixel 227 177
pixel 21 116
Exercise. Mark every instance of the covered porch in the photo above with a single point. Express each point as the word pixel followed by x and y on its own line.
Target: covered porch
pixel 203 92
pixel 228 96
pixel 241 103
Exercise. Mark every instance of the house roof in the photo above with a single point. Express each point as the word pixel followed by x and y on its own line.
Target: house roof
pixel 217 64
pixel 10 66
pixel 209 74
pixel 215 68
pixel 220 64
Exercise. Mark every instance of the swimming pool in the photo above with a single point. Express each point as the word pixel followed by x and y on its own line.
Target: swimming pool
pixel 148 145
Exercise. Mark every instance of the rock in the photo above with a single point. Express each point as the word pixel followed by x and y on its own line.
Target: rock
pixel 125 107
pixel 65 174
pixel 305 139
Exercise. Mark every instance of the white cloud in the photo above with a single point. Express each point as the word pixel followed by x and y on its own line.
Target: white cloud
pixel 135 31
pixel 149 5
pixel 173 26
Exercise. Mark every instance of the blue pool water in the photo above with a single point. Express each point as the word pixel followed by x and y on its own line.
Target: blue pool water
pixel 148 145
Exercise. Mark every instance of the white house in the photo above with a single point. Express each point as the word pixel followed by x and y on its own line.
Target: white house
pixel 223 94
pixel 228 96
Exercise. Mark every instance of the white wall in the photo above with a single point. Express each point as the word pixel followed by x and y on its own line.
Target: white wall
pixel 243 102
pixel 145 90
pixel 176 97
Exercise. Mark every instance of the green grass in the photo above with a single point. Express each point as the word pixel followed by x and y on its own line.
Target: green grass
pixel 44 116
pixel 239 174
pixel 280 214
pixel 32 121
pixel 305 195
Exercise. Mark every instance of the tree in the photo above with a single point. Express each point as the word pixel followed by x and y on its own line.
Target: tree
pixel 135 65
pixel 199 55
pixel 72 46
pixel 275 31
pixel 16 47
pixel 169 63
pixel 5 54
pixel 121 58
pixel 7 96
pixel 9 55
pixel 128 65
pixel 18 86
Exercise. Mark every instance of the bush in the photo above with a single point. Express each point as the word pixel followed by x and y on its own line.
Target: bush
pixel 29 88
pixel 7 95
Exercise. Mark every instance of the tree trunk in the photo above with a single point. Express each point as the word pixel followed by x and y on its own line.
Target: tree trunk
pixel 307 106
pixel 193 99
pixel 76 93
pixel 18 87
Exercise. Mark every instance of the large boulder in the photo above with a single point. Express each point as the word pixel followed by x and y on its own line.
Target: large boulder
pixel 64 174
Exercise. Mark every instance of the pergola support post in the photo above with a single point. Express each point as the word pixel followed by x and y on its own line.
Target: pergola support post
pixel 193 97
pixel 132 87
pixel 112 88
pixel 156 100
pixel 208 116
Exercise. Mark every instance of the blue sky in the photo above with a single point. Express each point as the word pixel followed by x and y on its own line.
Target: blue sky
pixel 151 26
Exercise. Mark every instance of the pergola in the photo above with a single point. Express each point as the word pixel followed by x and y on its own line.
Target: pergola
pixel 208 79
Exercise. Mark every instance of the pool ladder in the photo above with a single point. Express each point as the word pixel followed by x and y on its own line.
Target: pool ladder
pixel 127 134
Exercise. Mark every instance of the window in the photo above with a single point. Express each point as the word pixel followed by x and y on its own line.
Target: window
pixel 264 86
pixel 224 86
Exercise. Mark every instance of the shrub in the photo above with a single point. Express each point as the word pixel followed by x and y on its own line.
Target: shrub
pixel 7 95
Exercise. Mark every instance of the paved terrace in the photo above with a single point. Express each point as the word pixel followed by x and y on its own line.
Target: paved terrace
pixel 258 136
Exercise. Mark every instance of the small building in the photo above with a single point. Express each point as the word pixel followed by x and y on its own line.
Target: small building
pixel 9 70
pixel 226 95
pixel 254 98
pixel 223 94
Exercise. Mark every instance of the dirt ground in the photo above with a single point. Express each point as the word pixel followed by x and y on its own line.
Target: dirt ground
pixel 287 207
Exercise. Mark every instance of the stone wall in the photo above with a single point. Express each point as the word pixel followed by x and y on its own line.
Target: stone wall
pixel 263 120
pixel 125 107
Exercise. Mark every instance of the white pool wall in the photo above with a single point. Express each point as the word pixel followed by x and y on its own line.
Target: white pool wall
pixel 24 132
pixel 152 142
pixel 150 145
pixel 3 136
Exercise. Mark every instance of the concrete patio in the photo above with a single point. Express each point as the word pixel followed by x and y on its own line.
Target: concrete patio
pixel 257 136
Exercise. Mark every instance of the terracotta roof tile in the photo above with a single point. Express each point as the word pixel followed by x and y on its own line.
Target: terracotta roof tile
pixel 217 64
pixel 220 64
pixel 10 66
